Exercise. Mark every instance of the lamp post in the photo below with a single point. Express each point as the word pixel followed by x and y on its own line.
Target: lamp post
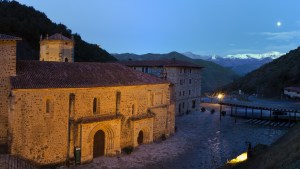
pixel 220 97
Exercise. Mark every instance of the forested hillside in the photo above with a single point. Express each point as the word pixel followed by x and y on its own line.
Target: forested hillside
pixel 29 24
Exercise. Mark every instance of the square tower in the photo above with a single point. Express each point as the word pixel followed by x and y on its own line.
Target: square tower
pixel 8 55
pixel 57 48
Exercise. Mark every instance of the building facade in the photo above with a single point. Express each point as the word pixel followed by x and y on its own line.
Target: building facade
pixel 185 76
pixel 50 108
pixel 292 92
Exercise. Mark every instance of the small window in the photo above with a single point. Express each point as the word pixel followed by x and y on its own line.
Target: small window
pixel 95 105
pixel 146 70
pixel 143 69
pixel 181 82
pixel 48 106
pixel 189 92
pixel 190 81
pixel 180 93
pixel 183 93
pixel 190 70
pixel 118 102
pixel 194 104
pixel 183 105
pixel 133 110
pixel 71 104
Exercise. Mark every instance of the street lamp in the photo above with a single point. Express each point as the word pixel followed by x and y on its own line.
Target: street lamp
pixel 220 96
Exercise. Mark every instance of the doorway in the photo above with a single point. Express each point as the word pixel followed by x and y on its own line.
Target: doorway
pixel 99 144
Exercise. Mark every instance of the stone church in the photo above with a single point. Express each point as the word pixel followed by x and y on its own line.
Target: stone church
pixel 51 106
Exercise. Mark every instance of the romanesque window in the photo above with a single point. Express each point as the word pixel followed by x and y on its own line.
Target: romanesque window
pixel 152 99
pixel 48 106
pixel 132 110
pixel 72 103
pixel 118 101
pixel 96 106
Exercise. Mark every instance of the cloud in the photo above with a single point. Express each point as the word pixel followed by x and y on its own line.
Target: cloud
pixel 282 35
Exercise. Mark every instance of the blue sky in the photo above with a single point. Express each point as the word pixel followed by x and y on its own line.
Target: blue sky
pixel 160 26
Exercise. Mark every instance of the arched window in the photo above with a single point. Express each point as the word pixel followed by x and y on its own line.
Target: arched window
pixel 118 101
pixel 133 110
pixel 96 106
pixel 66 60
pixel 48 106
pixel 72 103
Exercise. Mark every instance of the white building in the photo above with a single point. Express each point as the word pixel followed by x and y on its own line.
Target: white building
pixel 292 92
pixel 185 76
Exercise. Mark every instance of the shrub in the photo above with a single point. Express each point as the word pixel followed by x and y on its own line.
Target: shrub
pixel 203 109
pixel 212 111
pixel 127 150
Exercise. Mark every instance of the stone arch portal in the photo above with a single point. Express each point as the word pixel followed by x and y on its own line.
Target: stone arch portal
pixel 99 144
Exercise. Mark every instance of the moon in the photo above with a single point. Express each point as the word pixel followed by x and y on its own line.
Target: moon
pixel 278 24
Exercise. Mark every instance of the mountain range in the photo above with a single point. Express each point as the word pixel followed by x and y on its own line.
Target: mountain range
pixel 213 76
pixel 240 63
pixel 270 79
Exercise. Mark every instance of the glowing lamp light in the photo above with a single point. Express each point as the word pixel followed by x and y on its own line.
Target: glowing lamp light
pixel 238 159
pixel 220 96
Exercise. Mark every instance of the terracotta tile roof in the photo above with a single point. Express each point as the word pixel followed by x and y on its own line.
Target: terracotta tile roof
pixel 37 75
pixel 58 36
pixel 160 63
pixel 8 37
pixel 296 89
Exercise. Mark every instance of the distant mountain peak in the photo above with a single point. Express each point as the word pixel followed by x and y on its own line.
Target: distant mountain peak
pixel 272 55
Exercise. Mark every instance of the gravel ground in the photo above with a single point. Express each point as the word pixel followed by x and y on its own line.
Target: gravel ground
pixel 202 141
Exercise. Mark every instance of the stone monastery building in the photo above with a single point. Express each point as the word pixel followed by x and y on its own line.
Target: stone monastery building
pixel 51 106
pixel 185 76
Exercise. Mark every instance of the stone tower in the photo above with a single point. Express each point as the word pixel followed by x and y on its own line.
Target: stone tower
pixel 57 48
pixel 8 55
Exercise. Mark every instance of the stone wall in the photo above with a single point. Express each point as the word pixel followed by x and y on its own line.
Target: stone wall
pixel 40 133
pixel 7 69
pixel 56 50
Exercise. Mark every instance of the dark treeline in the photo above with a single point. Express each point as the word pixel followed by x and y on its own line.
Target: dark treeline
pixel 29 24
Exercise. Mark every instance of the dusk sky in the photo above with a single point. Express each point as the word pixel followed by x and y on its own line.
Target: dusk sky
pixel 161 26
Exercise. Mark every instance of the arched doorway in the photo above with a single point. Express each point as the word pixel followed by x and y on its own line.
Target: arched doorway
pixel 140 138
pixel 99 144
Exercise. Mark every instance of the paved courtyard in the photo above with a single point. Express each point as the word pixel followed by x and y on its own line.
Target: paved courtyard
pixel 202 141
